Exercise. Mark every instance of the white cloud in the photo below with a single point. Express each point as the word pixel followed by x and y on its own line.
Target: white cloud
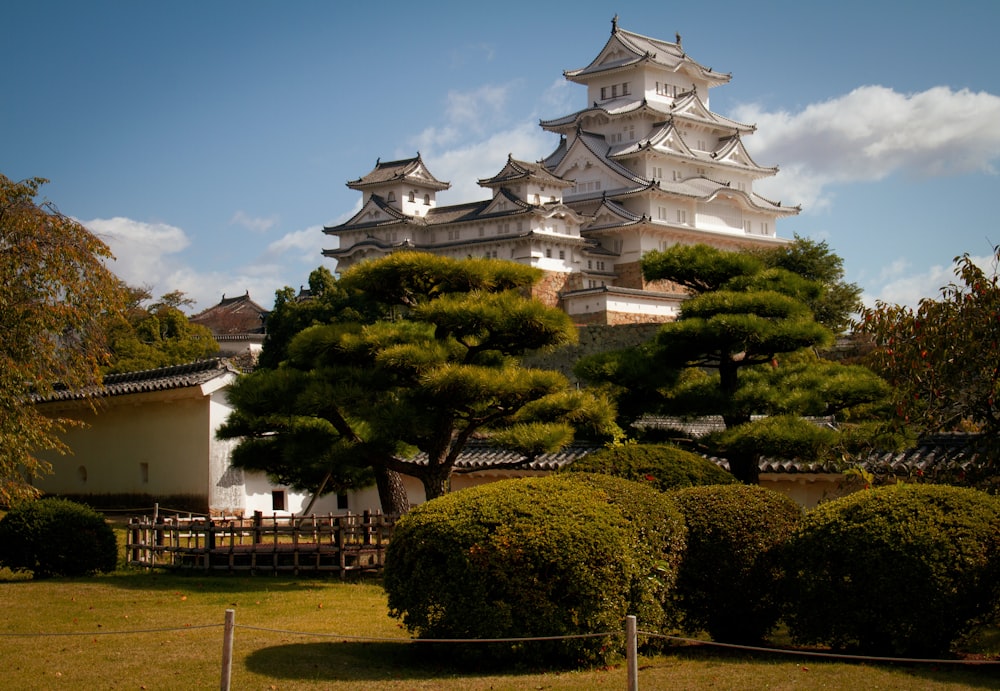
pixel 899 285
pixel 256 224
pixel 139 248
pixel 147 255
pixel 305 245
pixel 871 133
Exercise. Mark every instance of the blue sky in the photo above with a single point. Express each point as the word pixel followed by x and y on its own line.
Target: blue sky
pixel 209 142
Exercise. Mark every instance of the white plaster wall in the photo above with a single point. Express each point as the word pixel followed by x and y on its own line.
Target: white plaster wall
pixel 226 484
pixel 172 437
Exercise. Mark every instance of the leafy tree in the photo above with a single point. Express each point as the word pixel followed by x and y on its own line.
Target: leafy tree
pixel 308 446
pixel 438 368
pixel 159 335
pixel 943 358
pixel 56 293
pixel 835 301
pixel 742 347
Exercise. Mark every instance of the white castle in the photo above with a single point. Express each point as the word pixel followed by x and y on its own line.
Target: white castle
pixel 644 166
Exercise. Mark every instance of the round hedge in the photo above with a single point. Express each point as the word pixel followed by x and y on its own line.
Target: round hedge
pixel 57 537
pixel 531 557
pixel 662 466
pixel 730 580
pixel 902 570
pixel 658 536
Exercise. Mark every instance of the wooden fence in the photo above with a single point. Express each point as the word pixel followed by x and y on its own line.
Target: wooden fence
pixel 297 544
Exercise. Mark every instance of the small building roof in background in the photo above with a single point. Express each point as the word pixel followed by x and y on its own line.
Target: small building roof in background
pixel 236 315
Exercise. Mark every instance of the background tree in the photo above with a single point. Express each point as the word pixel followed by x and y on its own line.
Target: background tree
pixel 157 335
pixel 943 359
pixel 441 366
pixel 56 294
pixel 835 301
pixel 744 346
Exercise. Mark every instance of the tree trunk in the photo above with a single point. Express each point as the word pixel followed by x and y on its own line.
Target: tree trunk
pixel 391 491
pixel 436 481
pixel 746 469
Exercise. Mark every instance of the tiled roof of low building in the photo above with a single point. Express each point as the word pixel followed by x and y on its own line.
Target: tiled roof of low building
pixel 478 455
pixel 160 379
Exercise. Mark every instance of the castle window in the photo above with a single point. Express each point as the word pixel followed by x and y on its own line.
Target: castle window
pixel 661 213
pixel 144 473
pixel 548 253
pixel 81 473
pixel 391 197
pixel 562 254
pixel 413 196
pixel 682 216
pixel 482 231
pixel 427 200
pixel 278 500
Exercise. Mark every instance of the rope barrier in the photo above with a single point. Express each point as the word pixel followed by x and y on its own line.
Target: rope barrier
pixel 429 640
pixel 649 634
pixel 811 653
pixel 109 633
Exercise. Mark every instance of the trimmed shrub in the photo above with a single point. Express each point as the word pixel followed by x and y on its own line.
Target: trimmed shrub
pixel 57 537
pixel 521 558
pixel 658 536
pixel 902 570
pixel 662 466
pixel 730 580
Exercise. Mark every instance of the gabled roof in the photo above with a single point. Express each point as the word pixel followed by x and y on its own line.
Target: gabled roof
pixel 381 213
pixel 518 171
pixel 236 315
pixel 161 379
pixel 594 148
pixel 410 170
pixel 625 49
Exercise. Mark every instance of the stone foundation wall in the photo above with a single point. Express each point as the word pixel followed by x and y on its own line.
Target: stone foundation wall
pixel 547 290
pixel 594 338
pixel 630 276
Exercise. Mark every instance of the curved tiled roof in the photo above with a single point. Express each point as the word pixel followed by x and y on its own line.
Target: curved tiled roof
pixel 479 455
pixel 641 49
pixel 410 169
pixel 161 379
pixel 686 107
pixel 516 170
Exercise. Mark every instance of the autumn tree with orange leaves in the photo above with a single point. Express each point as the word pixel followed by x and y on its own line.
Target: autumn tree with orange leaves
pixel 55 296
pixel 943 358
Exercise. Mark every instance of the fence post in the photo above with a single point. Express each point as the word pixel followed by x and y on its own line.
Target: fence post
pixel 632 653
pixel 227 649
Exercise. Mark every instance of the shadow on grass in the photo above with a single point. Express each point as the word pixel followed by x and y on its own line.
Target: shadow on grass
pixel 971 676
pixel 364 661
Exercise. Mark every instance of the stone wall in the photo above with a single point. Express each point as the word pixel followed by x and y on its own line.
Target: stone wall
pixel 593 339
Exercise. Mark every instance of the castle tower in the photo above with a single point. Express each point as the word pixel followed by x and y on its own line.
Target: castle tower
pixel 645 165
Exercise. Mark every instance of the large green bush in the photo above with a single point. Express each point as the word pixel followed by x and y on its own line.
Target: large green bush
pixel 532 557
pixel 57 537
pixel 901 570
pixel 658 538
pixel 730 579
pixel 662 466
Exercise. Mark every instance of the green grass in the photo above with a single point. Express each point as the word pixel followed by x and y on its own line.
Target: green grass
pixel 133 630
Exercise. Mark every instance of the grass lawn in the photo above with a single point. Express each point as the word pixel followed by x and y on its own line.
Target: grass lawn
pixel 137 630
